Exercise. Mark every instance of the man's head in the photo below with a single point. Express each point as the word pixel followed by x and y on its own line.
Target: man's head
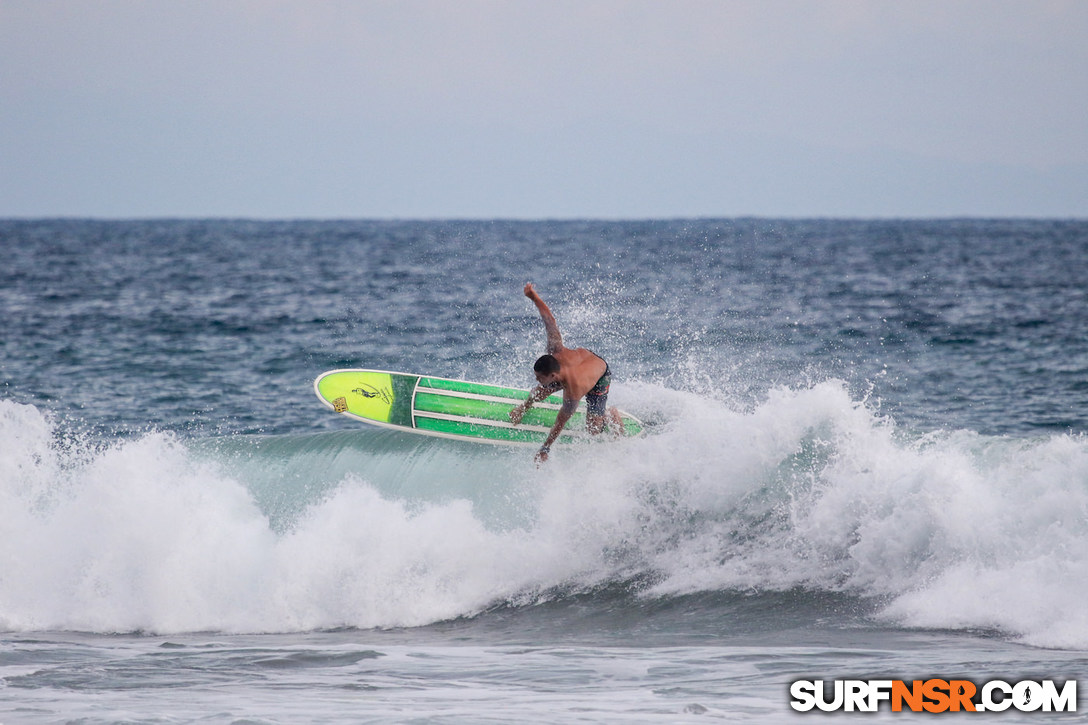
pixel 546 369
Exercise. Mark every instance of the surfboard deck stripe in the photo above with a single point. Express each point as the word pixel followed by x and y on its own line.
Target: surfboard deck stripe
pixel 474 408
pixel 479 421
pixel 486 431
pixel 509 402
pixel 491 434
pixel 448 408
pixel 498 391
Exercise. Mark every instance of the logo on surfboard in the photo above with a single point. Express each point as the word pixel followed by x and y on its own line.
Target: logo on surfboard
pixel 369 391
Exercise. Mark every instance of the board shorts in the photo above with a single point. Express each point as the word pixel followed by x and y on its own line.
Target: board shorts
pixel 598 394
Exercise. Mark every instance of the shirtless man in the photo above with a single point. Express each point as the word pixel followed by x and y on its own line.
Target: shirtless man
pixel 578 372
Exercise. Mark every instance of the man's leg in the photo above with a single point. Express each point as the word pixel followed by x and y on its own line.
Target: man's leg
pixel 595 412
pixel 599 416
pixel 616 421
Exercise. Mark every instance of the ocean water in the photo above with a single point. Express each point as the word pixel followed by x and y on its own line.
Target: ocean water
pixel 867 460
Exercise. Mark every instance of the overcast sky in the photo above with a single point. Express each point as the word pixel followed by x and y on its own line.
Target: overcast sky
pixel 543 109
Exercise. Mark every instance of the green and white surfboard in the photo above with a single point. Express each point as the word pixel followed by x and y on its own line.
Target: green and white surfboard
pixel 447 408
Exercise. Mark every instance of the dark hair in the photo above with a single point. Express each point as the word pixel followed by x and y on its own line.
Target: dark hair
pixel 546 365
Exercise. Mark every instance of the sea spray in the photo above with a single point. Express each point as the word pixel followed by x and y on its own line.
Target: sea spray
pixel 813 490
pixel 137 535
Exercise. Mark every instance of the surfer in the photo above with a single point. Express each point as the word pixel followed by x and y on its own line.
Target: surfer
pixel 578 372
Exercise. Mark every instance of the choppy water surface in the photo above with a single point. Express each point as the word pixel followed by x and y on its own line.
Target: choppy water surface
pixel 867 459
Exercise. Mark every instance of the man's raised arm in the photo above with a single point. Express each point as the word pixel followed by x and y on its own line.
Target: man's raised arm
pixel 555 339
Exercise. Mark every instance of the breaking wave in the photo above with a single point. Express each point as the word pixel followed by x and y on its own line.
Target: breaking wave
pixel 808 490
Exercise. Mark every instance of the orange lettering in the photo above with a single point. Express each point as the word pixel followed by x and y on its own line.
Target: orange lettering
pixel 961 693
pixel 912 695
pixel 934 690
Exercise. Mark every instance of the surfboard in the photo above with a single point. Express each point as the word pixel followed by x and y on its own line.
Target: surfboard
pixel 448 408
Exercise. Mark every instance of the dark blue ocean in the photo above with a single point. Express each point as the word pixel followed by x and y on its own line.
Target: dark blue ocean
pixel 867 458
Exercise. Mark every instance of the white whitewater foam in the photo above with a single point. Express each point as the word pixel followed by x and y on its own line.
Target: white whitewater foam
pixel 809 489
